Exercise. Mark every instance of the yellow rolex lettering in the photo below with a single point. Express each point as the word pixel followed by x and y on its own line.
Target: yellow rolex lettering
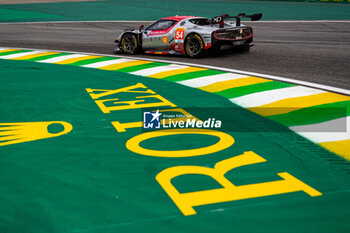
pixel 229 192
pixel 132 104
pixel 129 89
pixel 122 105
pixel 225 141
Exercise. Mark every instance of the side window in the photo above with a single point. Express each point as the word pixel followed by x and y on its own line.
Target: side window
pixel 201 21
pixel 161 25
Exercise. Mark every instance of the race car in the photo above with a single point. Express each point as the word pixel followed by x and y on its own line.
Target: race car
pixel 190 35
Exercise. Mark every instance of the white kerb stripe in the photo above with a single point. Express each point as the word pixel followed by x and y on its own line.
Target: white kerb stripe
pixel 2 48
pixel 322 132
pixel 62 58
pixel 267 97
pixel 20 54
pixel 204 81
pixel 107 63
pixel 156 70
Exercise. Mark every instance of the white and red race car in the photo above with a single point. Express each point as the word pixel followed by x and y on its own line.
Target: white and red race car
pixel 190 35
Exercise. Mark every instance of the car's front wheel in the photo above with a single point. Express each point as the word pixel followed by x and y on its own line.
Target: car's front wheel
pixel 129 44
pixel 194 46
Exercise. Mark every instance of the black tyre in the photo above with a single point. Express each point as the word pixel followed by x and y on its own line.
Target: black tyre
pixel 194 46
pixel 129 44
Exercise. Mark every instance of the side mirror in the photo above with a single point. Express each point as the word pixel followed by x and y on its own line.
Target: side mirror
pixel 141 27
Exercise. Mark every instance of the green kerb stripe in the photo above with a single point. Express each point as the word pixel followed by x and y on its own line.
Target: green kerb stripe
pixel 141 67
pixel 14 52
pixel 41 58
pixel 191 75
pixel 250 89
pixel 315 114
pixel 93 60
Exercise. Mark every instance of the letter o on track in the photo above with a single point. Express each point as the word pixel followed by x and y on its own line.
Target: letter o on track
pixel 133 144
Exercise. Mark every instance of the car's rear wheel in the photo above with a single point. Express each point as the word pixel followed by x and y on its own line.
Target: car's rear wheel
pixel 129 44
pixel 194 46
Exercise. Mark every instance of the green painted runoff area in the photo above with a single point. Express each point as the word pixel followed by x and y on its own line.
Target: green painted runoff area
pixel 88 181
pixel 153 10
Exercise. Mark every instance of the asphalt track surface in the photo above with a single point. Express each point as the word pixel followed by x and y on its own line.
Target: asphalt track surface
pixel 309 51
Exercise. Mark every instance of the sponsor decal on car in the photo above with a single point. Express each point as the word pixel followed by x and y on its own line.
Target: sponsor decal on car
pixel 158 32
pixel 165 39
pixel 179 34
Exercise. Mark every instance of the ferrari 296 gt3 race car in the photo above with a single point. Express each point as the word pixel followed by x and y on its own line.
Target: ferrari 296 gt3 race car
pixel 190 35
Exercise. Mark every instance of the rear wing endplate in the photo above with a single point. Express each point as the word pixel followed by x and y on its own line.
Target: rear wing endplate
pixel 220 19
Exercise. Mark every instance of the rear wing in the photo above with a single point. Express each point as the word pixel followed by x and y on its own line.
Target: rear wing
pixel 220 19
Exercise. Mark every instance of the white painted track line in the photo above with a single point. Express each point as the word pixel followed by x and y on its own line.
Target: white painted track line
pixel 204 81
pixel 156 70
pixel 107 63
pixel 62 58
pixel 267 97
pixel 1 48
pixel 272 77
pixel 322 132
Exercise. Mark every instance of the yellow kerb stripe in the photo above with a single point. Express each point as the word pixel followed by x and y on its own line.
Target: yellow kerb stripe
pixel 293 104
pixel 124 65
pixel 341 148
pixel 224 85
pixel 175 72
pixel 8 50
pixel 33 55
pixel 72 60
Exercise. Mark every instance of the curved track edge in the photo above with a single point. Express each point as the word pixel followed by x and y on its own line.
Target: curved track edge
pixel 317 112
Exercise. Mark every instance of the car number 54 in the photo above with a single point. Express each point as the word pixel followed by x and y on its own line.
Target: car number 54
pixel 179 33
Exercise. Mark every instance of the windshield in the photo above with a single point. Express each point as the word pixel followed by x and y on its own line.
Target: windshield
pixel 161 25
